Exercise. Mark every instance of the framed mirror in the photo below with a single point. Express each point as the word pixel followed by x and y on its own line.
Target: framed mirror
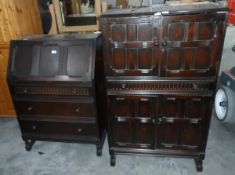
pixel 77 15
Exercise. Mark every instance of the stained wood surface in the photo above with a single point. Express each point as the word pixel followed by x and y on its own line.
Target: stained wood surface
pixel 17 18
pixel 6 105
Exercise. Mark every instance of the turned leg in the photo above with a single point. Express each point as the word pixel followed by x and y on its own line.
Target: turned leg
pixel 28 144
pixel 198 162
pixel 99 150
pixel 112 159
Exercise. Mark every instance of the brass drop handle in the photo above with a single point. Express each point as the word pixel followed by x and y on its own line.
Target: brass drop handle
pixel 30 108
pixel 25 90
pixel 79 129
pixel 34 127
pixel 77 109
pixel 164 43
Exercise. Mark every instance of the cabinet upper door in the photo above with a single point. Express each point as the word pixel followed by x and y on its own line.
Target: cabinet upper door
pixel 191 44
pixel 130 46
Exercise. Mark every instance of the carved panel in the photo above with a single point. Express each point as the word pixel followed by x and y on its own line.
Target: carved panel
pixel 177 31
pixel 119 58
pixel 118 32
pixel 145 32
pixel 204 30
pixel 202 58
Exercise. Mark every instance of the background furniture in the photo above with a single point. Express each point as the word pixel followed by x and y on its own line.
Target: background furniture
pixel 53 84
pixel 17 18
pixel 161 67
pixel 69 19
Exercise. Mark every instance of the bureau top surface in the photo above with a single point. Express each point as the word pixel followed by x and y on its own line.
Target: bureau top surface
pixel 61 37
pixel 169 8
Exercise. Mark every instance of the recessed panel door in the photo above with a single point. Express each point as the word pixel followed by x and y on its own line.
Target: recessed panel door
pixel 182 120
pixel 131 45
pixel 132 120
pixel 189 45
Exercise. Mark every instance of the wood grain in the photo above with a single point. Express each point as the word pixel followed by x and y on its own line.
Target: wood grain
pixel 17 18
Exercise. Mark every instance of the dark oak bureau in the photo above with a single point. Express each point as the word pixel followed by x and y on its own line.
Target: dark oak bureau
pixel 57 88
pixel 161 67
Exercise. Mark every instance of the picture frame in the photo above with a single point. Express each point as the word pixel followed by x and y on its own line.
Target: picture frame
pixel 135 3
pixel 60 17
pixel 121 4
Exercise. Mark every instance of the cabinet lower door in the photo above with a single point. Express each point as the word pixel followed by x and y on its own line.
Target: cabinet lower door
pixel 182 121
pixel 134 133
pixel 184 135
pixel 131 121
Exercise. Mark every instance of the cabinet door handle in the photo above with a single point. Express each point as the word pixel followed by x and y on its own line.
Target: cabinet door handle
pixel 164 43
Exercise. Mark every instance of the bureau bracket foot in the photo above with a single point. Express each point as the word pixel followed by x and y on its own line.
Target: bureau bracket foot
pixel 100 144
pixel 99 150
pixel 29 144
pixel 112 159
pixel 198 163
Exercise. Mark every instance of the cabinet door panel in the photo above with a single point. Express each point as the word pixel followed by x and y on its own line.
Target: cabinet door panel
pixel 121 106
pixel 168 135
pixel 191 135
pixel 143 133
pixel 119 59
pixel 121 131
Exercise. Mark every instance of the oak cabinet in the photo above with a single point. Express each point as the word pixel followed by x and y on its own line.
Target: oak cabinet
pixel 161 71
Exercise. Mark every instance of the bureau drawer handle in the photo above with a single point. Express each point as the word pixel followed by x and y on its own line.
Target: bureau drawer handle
pixel 77 109
pixel 25 91
pixel 34 127
pixel 79 129
pixel 30 108
pixel 144 99
pixel 120 98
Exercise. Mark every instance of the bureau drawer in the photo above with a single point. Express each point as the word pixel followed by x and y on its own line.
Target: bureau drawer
pixel 80 109
pixel 57 129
